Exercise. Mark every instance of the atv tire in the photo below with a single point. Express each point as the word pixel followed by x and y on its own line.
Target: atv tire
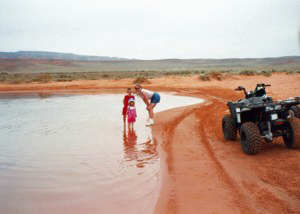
pixel 291 135
pixel 229 129
pixel 294 111
pixel 251 141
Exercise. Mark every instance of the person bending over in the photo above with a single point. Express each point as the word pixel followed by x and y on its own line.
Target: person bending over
pixel 151 99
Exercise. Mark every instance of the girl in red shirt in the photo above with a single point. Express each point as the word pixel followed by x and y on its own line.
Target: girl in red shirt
pixel 125 103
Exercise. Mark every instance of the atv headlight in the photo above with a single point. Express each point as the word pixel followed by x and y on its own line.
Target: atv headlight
pixel 274 116
pixel 269 108
pixel 278 107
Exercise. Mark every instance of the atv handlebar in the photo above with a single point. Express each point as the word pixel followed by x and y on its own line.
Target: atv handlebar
pixel 259 87
pixel 262 85
pixel 240 88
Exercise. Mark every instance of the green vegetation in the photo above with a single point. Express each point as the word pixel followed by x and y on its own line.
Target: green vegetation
pixel 216 75
pixel 293 72
pixel 266 73
pixel 139 76
pixel 29 70
pixel 248 72
pixel 204 77
pixel 184 66
pixel 43 78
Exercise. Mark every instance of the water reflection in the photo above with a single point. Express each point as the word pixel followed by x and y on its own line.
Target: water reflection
pixel 129 140
pixel 141 153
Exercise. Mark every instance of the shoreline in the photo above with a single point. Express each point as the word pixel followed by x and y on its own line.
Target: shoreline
pixel 280 82
pixel 200 171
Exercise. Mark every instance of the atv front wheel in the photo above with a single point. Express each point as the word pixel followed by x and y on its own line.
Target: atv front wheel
pixel 250 138
pixel 291 133
pixel 228 126
pixel 294 111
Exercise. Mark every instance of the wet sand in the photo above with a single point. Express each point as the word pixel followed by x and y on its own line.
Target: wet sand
pixel 203 173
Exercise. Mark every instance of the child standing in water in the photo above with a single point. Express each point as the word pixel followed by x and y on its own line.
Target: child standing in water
pixel 131 113
pixel 125 103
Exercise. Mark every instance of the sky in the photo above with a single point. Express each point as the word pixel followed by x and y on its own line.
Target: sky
pixel 153 29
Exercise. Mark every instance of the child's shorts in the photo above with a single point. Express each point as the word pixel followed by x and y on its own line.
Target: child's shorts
pixel 131 119
pixel 155 98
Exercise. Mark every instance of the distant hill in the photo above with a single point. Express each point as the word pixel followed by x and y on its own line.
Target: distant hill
pixel 38 62
pixel 55 55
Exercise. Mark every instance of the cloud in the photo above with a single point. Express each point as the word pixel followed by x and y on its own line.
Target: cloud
pixel 152 29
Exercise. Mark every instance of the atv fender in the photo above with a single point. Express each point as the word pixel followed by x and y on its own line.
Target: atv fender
pixel 233 112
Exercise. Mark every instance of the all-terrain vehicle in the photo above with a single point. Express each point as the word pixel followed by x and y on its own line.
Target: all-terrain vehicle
pixel 257 117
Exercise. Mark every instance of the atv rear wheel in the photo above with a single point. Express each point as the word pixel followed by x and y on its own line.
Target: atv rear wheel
pixel 250 138
pixel 229 129
pixel 294 111
pixel 291 132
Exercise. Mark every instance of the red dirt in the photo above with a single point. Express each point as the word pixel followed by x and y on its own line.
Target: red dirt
pixel 206 174
pixel 203 173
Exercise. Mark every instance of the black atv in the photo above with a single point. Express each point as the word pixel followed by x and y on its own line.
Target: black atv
pixel 258 117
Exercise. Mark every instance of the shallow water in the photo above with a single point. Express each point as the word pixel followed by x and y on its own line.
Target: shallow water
pixel 72 154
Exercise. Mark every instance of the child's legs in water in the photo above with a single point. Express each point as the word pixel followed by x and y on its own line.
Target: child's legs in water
pixel 130 125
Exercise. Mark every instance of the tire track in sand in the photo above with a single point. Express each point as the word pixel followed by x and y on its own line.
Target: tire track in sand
pixel 169 202
pixel 202 124
pixel 215 190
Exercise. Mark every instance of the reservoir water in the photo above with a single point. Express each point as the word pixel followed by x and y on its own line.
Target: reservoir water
pixel 72 154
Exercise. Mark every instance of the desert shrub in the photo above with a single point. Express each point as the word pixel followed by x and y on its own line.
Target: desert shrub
pixel 168 73
pixel 84 76
pixel 204 77
pixel 17 80
pixel 248 72
pixel 105 76
pixel 185 72
pixel 141 80
pixel 225 71
pixel 64 78
pixel 266 73
pixel 43 78
pixel 3 76
pixel 293 72
pixel 216 75
pixel 146 73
